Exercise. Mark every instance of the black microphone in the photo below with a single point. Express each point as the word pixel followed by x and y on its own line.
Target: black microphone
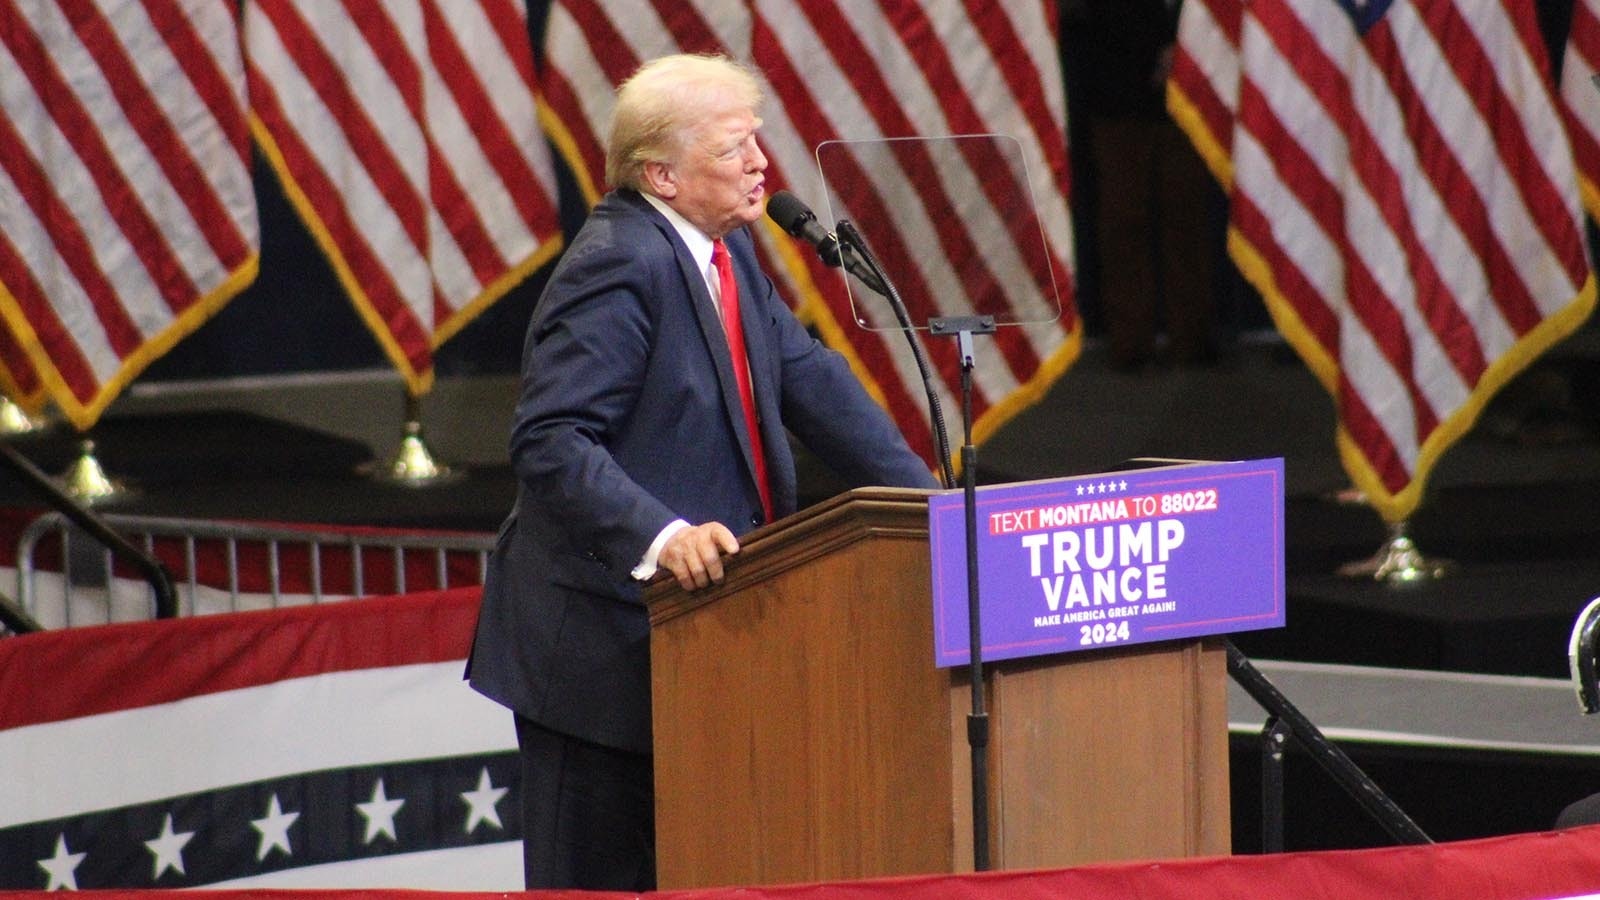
pixel 793 216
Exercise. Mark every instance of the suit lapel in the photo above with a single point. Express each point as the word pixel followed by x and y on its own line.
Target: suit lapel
pixel 716 342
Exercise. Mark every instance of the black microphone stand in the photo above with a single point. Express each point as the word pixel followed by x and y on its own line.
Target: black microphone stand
pixel 963 328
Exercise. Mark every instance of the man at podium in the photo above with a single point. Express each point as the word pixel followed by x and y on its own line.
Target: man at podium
pixel 662 375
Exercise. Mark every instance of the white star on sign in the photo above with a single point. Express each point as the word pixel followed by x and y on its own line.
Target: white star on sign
pixel 379 812
pixel 482 802
pixel 63 867
pixel 274 828
pixel 167 848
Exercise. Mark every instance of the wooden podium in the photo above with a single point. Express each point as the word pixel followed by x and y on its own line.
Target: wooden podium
pixel 802 732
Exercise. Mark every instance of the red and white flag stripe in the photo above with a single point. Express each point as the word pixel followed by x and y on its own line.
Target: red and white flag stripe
pixel 1404 198
pixel 928 69
pixel 1580 97
pixel 124 177
pixel 19 380
pixel 1203 88
pixel 936 69
pixel 407 136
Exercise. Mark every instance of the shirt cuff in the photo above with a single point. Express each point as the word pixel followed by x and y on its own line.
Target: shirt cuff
pixel 646 569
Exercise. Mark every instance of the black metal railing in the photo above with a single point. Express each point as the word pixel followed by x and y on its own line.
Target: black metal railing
pixel 15 619
pixel 153 572
pixel 1285 722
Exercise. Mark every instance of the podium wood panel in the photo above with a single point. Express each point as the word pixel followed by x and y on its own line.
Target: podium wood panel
pixel 802 732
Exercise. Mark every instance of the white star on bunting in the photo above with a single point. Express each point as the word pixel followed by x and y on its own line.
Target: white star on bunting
pixel 274 829
pixel 167 848
pixel 481 803
pixel 63 867
pixel 379 813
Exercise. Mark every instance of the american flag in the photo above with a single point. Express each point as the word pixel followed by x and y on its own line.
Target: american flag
pixel 1580 97
pixel 868 71
pixel 1403 196
pixel 128 214
pixel 407 136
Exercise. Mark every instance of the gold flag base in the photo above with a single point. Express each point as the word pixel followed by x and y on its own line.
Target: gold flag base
pixel 86 481
pixel 413 464
pixel 14 421
pixel 1399 561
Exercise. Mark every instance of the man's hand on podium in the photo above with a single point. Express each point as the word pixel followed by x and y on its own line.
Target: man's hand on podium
pixel 694 555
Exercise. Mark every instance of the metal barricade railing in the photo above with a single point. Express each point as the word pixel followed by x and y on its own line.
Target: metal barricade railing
pixel 272 565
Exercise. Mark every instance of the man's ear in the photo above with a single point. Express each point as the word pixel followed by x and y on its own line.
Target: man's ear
pixel 660 179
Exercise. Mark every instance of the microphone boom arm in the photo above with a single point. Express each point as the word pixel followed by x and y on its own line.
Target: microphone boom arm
pixel 852 248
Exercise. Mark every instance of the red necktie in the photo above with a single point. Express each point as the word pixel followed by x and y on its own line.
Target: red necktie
pixel 729 301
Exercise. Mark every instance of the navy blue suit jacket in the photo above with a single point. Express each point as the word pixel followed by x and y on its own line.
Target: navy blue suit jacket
pixel 629 418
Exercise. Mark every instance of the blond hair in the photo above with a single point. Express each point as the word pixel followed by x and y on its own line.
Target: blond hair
pixel 659 103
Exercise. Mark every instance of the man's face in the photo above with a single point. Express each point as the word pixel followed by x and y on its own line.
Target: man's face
pixel 718 175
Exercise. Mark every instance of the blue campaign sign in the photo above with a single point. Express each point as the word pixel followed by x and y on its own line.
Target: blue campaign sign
pixel 1118 558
